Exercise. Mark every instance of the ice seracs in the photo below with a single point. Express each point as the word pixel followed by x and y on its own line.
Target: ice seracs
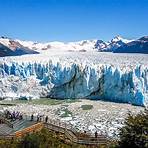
pixel 75 70
pixel 112 77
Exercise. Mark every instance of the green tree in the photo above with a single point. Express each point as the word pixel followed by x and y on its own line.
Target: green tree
pixel 135 132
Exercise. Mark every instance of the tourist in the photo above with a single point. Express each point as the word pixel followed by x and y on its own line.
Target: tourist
pixel 6 113
pixel 20 117
pixel 96 134
pixel 46 119
pixel 17 116
pixel 32 117
pixel 11 117
pixel 38 118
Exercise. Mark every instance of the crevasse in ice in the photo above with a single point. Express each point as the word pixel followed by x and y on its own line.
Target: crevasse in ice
pixel 74 80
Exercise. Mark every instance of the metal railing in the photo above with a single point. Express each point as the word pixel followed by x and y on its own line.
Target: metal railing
pixel 56 125
pixel 71 133
pixel 76 137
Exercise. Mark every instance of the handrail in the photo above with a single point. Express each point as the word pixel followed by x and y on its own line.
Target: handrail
pixel 61 127
pixel 76 139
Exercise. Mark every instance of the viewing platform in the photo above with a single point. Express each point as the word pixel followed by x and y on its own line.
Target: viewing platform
pixel 26 125
pixel 10 128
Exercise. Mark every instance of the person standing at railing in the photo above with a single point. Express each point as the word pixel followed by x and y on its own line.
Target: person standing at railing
pixel 13 115
pixel 17 115
pixel 96 134
pixel 46 119
pixel 38 117
pixel 32 117
pixel 20 117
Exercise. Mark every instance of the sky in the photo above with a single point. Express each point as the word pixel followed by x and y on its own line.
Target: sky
pixel 73 20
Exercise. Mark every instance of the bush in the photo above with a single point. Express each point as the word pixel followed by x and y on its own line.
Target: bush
pixel 135 132
pixel 42 139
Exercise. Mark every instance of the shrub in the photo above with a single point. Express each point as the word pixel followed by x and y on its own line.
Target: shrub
pixel 135 132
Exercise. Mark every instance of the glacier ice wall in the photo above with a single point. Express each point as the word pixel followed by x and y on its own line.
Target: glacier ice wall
pixel 74 80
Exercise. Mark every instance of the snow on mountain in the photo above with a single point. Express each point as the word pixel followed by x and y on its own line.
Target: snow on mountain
pixel 4 41
pixel 124 45
pixel 100 45
pixel 136 46
pixel 86 45
pixel 115 43
pixel 81 46
pixel 92 75
pixel 78 71
pixel 144 39
pixel 75 70
pixel 119 38
pixel 9 47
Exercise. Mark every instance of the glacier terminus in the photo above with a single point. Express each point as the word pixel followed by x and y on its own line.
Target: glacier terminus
pixel 90 75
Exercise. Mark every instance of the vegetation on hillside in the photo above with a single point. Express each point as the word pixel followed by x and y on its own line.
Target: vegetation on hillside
pixel 135 131
pixel 42 139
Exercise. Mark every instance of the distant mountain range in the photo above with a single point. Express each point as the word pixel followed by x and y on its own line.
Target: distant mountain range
pixel 136 46
pixel 15 47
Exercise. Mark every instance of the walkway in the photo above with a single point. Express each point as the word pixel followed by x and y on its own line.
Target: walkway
pixel 24 126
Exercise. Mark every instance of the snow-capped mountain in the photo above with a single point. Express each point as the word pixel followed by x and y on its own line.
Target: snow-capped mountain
pixel 137 46
pixel 115 43
pixel 81 46
pixel 10 47
pixel 85 45
pixel 13 47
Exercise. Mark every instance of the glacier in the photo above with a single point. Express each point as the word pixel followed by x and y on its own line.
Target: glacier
pixel 105 76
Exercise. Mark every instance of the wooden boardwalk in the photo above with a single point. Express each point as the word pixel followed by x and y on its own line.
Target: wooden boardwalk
pixel 77 137
pixel 22 127
pixel 9 128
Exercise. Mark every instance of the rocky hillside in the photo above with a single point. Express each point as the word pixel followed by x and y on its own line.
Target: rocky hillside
pixel 9 47
pixel 136 46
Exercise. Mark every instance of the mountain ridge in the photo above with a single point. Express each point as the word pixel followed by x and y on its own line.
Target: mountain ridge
pixel 117 44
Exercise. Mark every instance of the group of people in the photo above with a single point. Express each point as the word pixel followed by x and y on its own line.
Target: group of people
pixel 39 118
pixel 17 115
pixel 13 115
